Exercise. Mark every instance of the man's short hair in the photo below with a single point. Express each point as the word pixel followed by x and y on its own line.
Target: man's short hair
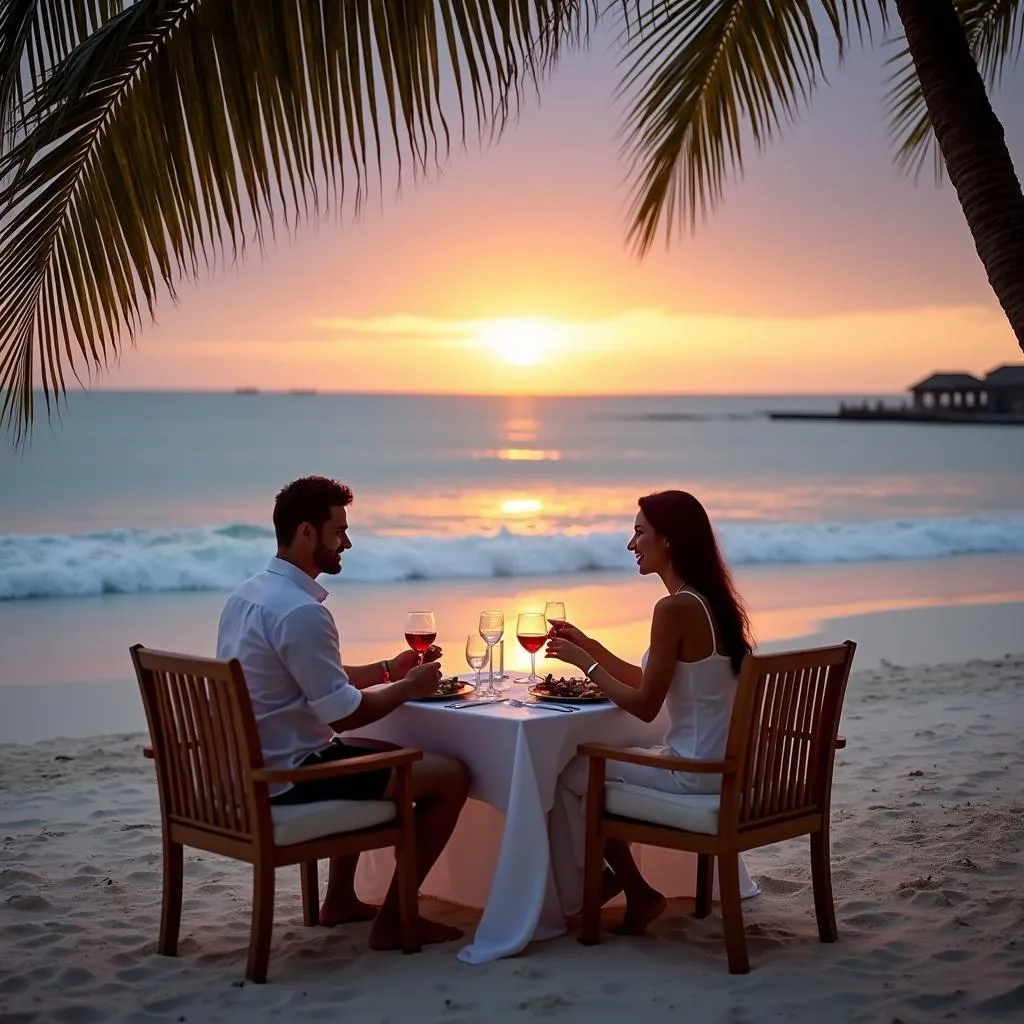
pixel 307 500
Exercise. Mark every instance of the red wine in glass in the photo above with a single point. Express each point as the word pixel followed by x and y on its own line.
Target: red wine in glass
pixel 420 642
pixel 420 632
pixel 531 642
pixel 531 631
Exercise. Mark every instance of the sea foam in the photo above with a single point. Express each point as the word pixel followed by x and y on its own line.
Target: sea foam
pixel 219 557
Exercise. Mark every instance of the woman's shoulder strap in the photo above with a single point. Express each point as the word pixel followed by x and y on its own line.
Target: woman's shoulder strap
pixel 707 612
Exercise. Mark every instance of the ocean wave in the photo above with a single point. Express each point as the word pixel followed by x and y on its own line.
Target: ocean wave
pixel 219 557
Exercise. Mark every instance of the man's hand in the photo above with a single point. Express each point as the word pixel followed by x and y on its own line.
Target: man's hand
pixel 422 680
pixel 401 664
pixel 378 701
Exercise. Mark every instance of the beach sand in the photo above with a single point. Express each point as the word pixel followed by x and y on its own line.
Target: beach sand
pixel 927 865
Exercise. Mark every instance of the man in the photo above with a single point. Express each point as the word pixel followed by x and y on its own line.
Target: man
pixel 286 640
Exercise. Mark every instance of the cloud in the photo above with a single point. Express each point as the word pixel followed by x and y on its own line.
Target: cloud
pixel 398 325
pixel 596 333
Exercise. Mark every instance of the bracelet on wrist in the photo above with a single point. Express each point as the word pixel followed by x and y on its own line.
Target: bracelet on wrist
pixel 590 671
pixel 387 670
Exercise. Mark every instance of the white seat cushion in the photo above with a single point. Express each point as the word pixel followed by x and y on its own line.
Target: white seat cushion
pixel 691 812
pixel 297 823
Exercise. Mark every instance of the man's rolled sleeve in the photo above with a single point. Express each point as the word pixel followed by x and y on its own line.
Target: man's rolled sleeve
pixel 308 646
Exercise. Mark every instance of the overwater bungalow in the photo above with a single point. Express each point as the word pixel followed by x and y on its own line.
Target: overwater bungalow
pixel 947 397
pixel 1001 391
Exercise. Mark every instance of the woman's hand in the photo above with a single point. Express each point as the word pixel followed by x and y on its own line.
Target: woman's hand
pixel 564 650
pixel 401 664
pixel 567 631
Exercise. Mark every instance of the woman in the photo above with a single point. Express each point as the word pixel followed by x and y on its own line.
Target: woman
pixel 700 635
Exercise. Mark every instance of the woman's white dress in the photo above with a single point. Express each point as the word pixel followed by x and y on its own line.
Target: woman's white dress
pixel 699 706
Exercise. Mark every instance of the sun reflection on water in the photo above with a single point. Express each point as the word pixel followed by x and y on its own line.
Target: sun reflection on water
pixel 520 429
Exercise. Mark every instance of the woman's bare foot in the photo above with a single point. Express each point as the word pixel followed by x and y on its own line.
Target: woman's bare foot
pixel 345 912
pixel 388 935
pixel 641 910
pixel 610 886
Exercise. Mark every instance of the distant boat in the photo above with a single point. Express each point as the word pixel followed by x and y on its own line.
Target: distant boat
pixel 247 391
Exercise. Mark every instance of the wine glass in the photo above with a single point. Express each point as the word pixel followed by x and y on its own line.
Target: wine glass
pixel 531 631
pixel 477 651
pixel 554 612
pixel 420 632
pixel 492 626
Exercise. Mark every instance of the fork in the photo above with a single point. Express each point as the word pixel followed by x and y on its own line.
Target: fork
pixel 514 703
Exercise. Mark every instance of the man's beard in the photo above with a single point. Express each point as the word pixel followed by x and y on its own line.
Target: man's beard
pixel 326 560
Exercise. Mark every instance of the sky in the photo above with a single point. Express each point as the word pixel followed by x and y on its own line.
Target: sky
pixel 826 270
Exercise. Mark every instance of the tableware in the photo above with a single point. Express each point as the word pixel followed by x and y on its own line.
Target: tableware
pixel 492 627
pixel 475 703
pixel 531 632
pixel 541 694
pixel 420 632
pixel 465 691
pixel 501 679
pixel 513 703
pixel 477 652
pixel 554 612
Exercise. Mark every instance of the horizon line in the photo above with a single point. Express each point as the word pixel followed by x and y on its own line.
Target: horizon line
pixel 248 391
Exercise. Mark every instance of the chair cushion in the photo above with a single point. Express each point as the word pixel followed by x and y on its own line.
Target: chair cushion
pixel 691 812
pixel 297 823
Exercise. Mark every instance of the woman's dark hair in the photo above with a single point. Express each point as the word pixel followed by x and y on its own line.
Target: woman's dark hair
pixel 307 500
pixel 681 519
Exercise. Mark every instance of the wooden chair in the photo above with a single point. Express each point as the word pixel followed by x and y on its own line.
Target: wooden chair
pixel 213 796
pixel 776 785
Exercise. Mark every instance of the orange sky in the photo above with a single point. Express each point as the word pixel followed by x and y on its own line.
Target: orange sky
pixel 824 271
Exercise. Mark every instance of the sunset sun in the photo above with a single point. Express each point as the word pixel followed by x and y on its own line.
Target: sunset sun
pixel 519 341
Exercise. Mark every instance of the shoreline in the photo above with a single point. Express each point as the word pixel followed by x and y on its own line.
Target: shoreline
pixel 112 706
pixel 934 613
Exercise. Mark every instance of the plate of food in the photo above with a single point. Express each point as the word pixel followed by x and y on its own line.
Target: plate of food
pixel 449 688
pixel 567 688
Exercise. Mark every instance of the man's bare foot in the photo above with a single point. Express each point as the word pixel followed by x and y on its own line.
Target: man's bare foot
pixel 346 912
pixel 640 912
pixel 387 935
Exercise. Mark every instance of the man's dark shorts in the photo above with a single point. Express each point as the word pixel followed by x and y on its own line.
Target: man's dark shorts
pixel 362 786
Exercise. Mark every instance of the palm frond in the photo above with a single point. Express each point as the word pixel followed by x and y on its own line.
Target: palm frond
pixel 701 75
pixel 34 36
pixel 995 34
pixel 181 131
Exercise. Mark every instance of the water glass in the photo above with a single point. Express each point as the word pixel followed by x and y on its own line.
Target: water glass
pixel 476 656
pixel 492 626
pixel 501 680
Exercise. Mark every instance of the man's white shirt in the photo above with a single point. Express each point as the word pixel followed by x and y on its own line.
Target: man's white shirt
pixel 276 625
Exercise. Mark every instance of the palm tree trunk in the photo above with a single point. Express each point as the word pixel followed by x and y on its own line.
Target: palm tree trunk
pixel 973 146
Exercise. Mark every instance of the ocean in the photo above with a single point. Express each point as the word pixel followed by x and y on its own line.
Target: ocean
pixel 151 493
pixel 128 520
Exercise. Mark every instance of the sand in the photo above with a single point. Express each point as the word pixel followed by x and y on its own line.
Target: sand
pixel 927 861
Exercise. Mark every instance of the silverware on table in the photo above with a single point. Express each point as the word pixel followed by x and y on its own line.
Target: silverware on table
pixel 475 703
pixel 513 703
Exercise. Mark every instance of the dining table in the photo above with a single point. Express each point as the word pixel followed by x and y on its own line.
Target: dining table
pixel 499 858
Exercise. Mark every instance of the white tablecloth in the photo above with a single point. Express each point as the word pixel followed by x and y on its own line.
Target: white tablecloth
pixel 515 756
